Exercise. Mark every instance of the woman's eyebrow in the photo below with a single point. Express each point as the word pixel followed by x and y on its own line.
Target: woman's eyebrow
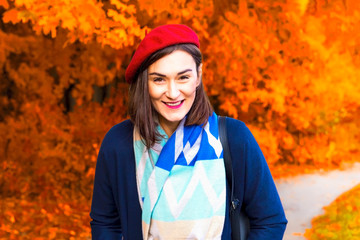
pixel 163 75
pixel 158 74
pixel 186 70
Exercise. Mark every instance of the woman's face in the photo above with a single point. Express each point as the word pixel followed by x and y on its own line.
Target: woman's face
pixel 172 82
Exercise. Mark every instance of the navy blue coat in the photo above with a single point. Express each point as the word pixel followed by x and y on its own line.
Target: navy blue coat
pixel 115 209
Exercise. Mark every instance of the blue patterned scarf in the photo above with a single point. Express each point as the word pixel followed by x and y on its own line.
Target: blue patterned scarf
pixel 181 183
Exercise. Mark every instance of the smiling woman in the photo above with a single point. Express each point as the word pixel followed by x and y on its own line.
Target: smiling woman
pixel 161 174
pixel 177 68
pixel 172 89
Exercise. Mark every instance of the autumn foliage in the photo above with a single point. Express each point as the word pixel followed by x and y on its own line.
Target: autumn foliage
pixel 289 69
pixel 341 219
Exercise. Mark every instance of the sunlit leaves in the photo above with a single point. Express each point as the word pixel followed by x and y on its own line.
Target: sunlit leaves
pixel 4 4
pixel 289 72
pixel 84 20
pixel 302 4
pixel 12 16
pixel 158 6
pixel 288 69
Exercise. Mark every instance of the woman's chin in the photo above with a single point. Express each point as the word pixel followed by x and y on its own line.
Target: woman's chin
pixel 171 119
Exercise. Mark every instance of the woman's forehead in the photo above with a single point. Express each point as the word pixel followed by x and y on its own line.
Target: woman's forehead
pixel 174 62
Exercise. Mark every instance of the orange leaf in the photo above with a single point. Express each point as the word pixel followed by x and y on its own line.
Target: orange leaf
pixel 11 16
pixel 4 3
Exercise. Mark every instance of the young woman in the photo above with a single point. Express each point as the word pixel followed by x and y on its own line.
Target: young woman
pixel 161 174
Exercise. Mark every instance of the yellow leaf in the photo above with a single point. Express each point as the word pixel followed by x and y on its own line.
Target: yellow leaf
pixel 302 4
pixel 12 218
pixel 68 21
pixel 331 150
pixel 119 5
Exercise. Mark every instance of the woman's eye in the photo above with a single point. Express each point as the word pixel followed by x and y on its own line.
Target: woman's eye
pixel 158 79
pixel 184 77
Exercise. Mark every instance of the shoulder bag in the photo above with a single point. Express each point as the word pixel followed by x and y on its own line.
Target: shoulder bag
pixel 240 225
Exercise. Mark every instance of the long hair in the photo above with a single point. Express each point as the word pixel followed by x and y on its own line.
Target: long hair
pixel 141 111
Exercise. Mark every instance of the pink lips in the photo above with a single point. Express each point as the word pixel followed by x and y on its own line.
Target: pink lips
pixel 174 105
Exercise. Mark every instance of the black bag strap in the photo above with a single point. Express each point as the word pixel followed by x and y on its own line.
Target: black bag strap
pixel 234 218
pixel 226 150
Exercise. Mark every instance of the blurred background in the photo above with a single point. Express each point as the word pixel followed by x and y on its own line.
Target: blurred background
pixel 289 69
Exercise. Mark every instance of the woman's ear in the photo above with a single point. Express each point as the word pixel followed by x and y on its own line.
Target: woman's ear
pixel 199 75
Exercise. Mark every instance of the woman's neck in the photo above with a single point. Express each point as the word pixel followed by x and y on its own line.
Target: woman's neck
pixel 169 127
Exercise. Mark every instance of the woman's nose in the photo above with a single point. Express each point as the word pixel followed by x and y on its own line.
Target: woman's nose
pixel 172 90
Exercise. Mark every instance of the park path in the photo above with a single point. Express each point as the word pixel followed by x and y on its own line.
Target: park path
pixel 304 196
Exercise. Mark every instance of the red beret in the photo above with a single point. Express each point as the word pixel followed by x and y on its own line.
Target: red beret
pixel 159 38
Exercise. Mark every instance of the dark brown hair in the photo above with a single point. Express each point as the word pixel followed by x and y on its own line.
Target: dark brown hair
pixel 141 111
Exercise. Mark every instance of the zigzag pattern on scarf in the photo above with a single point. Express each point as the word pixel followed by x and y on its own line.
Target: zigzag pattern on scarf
pixel 182 179
pixel 178 203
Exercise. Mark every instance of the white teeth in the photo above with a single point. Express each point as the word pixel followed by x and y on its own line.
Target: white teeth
pixel 174 104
